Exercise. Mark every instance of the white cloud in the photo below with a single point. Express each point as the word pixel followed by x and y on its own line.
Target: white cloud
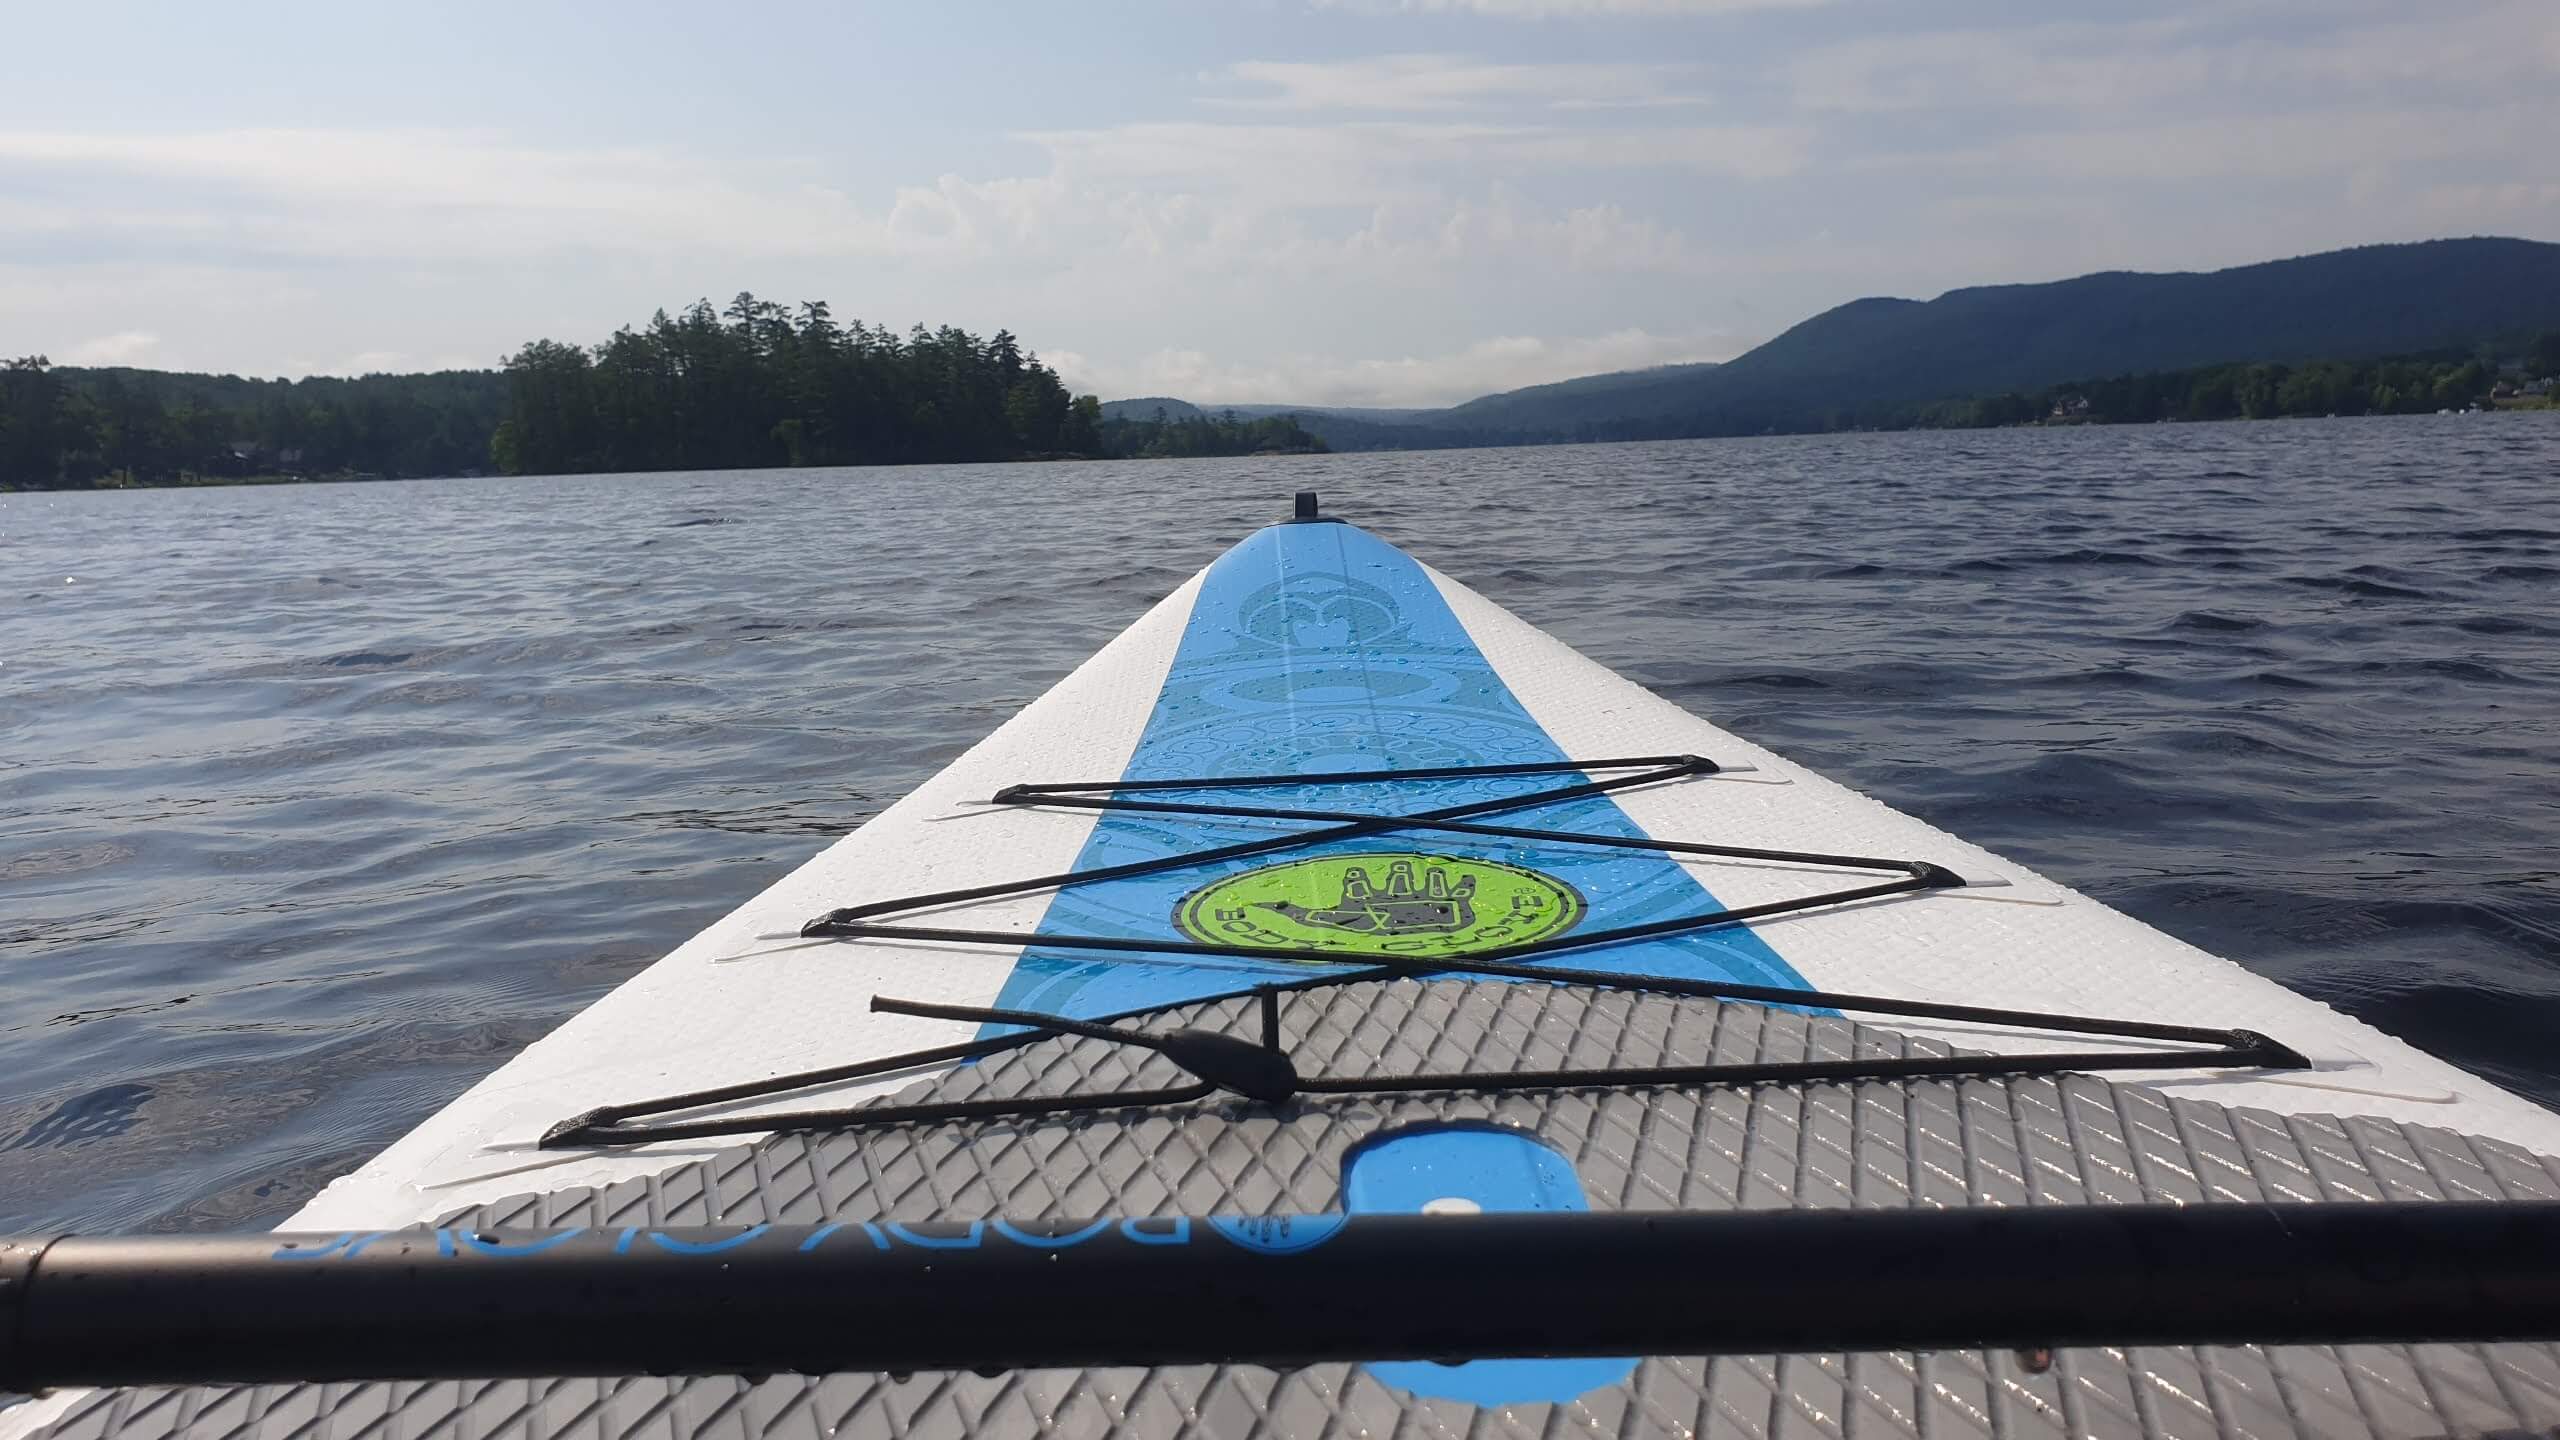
pixel 1217 198
pixel 1737 152
pixel 1364 162
pixel 383 233
pixel 125 347
pixel 97 309
pixel 2368 145
pixel 2461 52
pixel 1601 237
pixel 108 286
pixel 2195 139
pixel 2065 64
pixel 1255 223
pixel 1453 82
pixel 389 362
pixel 1274 166
pixel 1502 363
pixel 1231 192
pixel 457 194
pixel 2503 202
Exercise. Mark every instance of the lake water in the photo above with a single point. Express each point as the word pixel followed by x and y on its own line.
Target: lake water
pixel 318 802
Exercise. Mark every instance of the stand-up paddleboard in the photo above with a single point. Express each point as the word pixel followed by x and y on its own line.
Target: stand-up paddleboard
pixel 1331 893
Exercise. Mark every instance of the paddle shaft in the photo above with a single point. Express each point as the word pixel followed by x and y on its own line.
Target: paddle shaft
pixel 1167 1291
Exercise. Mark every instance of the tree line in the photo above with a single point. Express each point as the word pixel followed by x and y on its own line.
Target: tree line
pixel 1158 437
pixel 751 386
pixel 2404 385
pixel 62 427
pixel 757 385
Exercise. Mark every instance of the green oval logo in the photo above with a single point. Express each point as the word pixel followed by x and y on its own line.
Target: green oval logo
pixel 1391 903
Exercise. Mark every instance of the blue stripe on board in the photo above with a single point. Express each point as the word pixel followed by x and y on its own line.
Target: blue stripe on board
pixel 1318 648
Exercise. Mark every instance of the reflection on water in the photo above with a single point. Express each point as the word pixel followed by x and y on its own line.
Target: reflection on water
pixel 318 802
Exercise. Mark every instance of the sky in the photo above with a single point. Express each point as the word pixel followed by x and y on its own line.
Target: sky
pixel 1335 202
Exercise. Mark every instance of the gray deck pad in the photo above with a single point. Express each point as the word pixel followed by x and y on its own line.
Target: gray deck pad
pixel 2071 1140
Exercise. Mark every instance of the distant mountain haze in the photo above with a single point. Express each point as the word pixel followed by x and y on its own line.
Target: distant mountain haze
pixel 1146 406
pixel 1870 361
pixel 1610 389
pixel 1372 414
pixel 1339 427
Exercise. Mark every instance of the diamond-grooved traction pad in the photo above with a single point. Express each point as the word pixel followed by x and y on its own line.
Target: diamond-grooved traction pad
pixel 2026 1140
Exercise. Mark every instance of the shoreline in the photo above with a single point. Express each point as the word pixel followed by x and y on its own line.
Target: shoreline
pixel 2529 405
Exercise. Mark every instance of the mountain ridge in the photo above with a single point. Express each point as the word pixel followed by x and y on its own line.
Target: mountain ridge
pixel 1875 359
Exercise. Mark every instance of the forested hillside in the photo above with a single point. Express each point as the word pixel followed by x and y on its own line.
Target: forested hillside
pixel 1876 362
pixel 1885 363
pixel 1594 394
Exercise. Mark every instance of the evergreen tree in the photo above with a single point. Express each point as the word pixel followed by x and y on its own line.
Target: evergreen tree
pixel 757 384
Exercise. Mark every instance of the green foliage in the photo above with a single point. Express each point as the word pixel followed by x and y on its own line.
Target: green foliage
pixel 38 422
pixel 1164 436
pixel 2409 385
pixel 79 428
pixel 2542 358
pixel 754 385
pixel 757 385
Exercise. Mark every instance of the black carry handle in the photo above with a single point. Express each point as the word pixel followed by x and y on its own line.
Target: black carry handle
pixel 877 1296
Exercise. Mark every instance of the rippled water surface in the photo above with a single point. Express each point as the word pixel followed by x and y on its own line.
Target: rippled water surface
pixel 318 802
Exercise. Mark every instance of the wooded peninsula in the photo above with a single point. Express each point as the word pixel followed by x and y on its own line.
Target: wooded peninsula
pixel 752 386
